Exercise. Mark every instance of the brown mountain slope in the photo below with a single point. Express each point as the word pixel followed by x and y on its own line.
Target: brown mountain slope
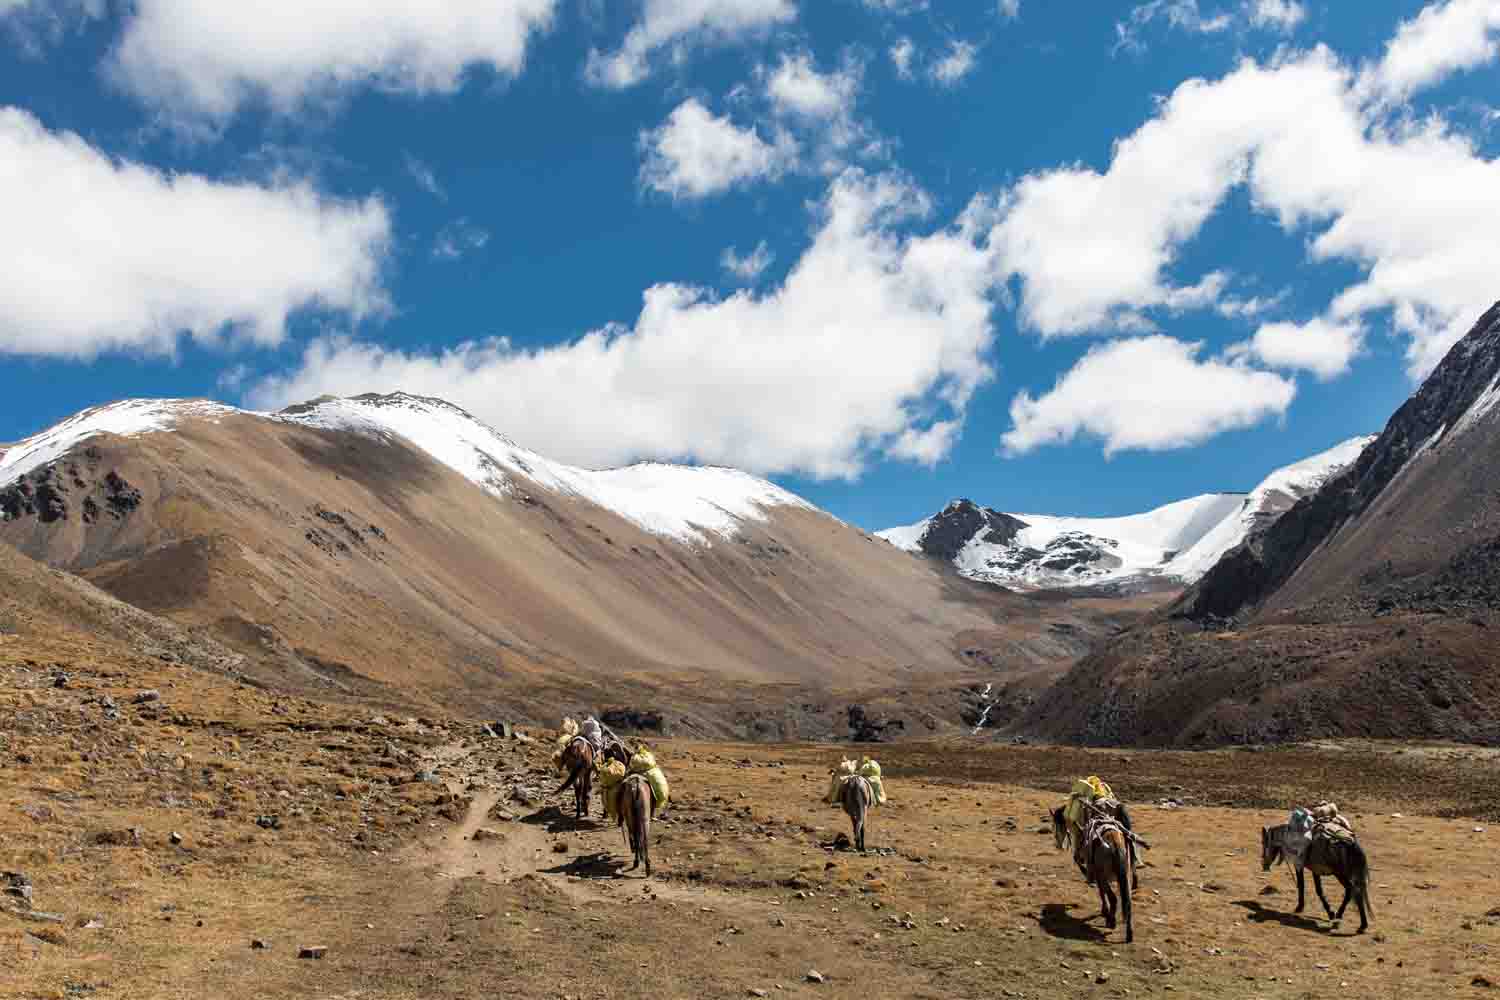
pixel 350 560
pixel 1371 608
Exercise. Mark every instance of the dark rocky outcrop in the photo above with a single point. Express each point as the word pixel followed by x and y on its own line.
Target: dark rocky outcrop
pixel 952 528
pixel 1245 577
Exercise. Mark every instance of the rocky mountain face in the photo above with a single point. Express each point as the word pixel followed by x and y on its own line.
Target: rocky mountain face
pixel 1369 608
pixel 1163 548
pixel 393 548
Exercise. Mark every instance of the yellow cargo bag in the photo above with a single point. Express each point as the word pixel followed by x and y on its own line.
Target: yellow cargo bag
pixel 643 762
pixel 1085 790
pixel 611 774
pixel 870 771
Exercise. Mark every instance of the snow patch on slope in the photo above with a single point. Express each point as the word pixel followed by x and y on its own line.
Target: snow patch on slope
pixel 1275 494
pixel 1178 542
pixel 686 503
pixel 126 418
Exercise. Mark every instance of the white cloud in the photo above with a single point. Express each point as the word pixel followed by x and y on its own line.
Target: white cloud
pixel 33 24
pixel 960 60
pixel 1279 15
pixel 872 346
pixel 902 54
pixel 677 25
pixel 424 177
pixel 1181 14
pixel 747 267
pixel 695 153
pixel 1010 9
pixel 897 6
pixel 1319 346
pixel 1147 394
pixel 1412 205
pixel 820 108
pixel 796 87
pixel 205 58
pixel 1442 39
pixel 108 254
pixel 458 239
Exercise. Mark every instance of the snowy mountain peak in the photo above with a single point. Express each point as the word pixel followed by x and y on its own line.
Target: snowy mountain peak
pixel 690 504
pixel 1174 543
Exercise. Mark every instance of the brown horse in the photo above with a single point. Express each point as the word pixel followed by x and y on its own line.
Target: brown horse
pixel 1107 856
pixel 1326 854
pixel 578 758
pixel 635 818
pixel 855 795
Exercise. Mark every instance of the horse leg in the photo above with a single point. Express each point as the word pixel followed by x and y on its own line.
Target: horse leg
pixel 1135 878
pixel 1106 899
pixel 1359 900
pixel 1301 890
pixel 1318 886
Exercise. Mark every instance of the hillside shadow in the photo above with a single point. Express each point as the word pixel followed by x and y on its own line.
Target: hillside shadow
pixel 591 866
pixel 1262 914
pixel 1057 922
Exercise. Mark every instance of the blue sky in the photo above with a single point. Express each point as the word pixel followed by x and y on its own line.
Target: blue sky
pixel 1058 258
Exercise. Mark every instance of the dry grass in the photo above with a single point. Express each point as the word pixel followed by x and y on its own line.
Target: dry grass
pixel 380 869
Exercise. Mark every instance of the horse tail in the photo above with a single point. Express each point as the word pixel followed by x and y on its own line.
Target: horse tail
pixel 577 771
pixel 1361 874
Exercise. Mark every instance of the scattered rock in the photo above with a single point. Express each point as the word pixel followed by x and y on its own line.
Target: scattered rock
pixel 272 822
pixel 256 944
pixel 426 776
pixel 485 833
pixel 312 951
pixel 175 838
pixel 1269 890
pixel 560 847
pixel 142 697
pixel 814 976
pixel 758 993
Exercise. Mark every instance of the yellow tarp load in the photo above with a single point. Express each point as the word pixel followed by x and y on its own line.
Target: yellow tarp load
pixel 870 771
pixel 1085 790
pixel 566 734
pixel 611 774
pixel 866 768
pixel 643 762
pixel 836 778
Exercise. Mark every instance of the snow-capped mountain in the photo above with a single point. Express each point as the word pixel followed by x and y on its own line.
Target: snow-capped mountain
pixel 1175 543
pixel 686 503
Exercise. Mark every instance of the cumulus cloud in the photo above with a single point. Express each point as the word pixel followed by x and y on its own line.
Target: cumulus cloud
pixel 678 26
pixel 747 267
pixel 1318 346
pixel 33 24
pixel 1409 203
pixel 695 153
pixel 1280 15
pixel 106 254
pixel 872 346
pixel 1444 38
pixel 204 58
pixel 1149 394
pixel 959 61
pixel 820 107
pixel 796 87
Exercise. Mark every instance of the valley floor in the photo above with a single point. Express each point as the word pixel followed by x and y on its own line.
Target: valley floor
pixel 302 824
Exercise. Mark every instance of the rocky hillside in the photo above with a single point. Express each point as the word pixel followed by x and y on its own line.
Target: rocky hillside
pixel 1165 547
pixel 1369 608
pixel 395 548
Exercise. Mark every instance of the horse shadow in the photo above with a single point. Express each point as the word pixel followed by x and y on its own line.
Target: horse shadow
pixel 558 821
pixel 1057 922
pixel 1263 914
pixel 600 865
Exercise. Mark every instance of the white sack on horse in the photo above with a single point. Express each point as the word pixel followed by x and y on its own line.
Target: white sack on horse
pixel 836 778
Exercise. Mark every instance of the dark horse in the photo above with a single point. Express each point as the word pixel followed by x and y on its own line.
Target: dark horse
pixel 635 818
pixel 578 759
pixel 1326 854
pixel 855 795
pixel 1107 854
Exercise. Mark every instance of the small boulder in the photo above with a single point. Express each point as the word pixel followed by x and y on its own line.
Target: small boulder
pixel 312 951
pixel 142 697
